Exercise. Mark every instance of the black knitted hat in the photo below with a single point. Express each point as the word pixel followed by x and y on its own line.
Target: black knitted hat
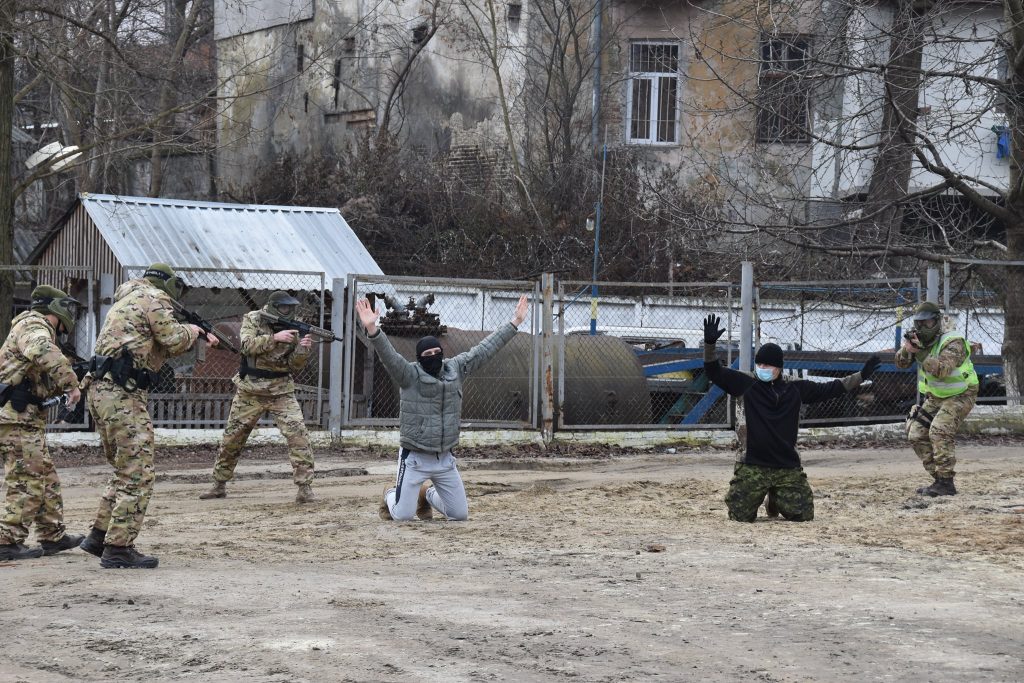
pixel 769 354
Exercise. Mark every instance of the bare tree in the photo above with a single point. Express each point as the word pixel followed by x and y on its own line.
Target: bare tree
pixel 866 135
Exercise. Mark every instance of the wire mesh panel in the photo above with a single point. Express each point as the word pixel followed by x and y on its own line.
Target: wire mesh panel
pixel 827 330
pixel 195 389
pixel 80 283
pixel 978 314
pixel 460 313
pixel 634 357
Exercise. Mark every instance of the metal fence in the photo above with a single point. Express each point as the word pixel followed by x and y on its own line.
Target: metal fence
pixel 633 356
pixel 828 329
pixel 195 390
pixel 502 393
pixel 977 312
pixel 78 282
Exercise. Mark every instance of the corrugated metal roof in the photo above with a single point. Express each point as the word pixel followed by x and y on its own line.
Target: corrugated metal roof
pixel 190 234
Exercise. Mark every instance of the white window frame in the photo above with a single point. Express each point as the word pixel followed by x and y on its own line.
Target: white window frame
pixel 653 77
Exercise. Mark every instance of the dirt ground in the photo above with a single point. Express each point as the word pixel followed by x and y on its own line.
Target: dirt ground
pixel 595 565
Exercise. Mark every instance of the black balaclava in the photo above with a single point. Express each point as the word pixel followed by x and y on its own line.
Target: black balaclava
pixel 433 364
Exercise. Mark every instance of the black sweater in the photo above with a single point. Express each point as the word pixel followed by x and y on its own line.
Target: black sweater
pixel 773 410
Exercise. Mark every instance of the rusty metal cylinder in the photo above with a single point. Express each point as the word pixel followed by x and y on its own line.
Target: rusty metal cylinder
pixel 604 383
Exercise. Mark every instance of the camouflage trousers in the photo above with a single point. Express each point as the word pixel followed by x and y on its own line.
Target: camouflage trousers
pixel 935 445
pixel 33 488
pixel 750 483
pixel 246 411
pixel 126 433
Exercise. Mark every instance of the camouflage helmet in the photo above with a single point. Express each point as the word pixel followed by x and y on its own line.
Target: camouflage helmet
pixel 926 310
pixel 280 299
pixel 163 277
pixel 46 299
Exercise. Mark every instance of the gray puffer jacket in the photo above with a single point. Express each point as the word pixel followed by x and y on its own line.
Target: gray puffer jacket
pixel 431 407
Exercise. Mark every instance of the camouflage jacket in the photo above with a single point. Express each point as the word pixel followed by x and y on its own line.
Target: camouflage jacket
pixel 262 352
pixel 30 351
pixel 949 358
pixel 142 321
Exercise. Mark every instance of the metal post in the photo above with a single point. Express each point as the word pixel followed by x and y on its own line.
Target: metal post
pixel 547 281
pixel 945 286
pixel 933 285
pixel 597 241
pixel 336 380
pixel 746 315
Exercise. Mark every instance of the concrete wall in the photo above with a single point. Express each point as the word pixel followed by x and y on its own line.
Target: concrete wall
pixel 957 118
pixel 272 108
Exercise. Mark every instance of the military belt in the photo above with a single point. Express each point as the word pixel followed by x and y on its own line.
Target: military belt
pixel 246 370
pixel 121 370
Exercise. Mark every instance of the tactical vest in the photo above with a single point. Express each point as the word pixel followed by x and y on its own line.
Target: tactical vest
pixel 957 382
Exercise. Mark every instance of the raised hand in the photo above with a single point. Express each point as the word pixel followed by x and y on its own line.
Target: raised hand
pixel 869 367
pixel 367 316
pixel 521 309
pixel 711 329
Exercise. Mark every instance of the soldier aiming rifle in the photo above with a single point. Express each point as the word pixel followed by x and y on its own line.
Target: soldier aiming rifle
pixel 279 323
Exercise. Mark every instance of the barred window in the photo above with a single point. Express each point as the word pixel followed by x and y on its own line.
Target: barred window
pixel 784 98
pixel 652 100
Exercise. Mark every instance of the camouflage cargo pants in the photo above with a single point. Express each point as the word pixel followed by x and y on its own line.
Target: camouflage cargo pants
pixel 246 411
pixel 936 445
pixel 750 484
pixel 33 488
pixel 126 433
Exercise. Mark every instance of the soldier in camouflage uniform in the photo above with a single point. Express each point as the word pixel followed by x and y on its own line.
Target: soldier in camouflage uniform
pixel 949 384
pixel 33 368
pixel 770 464
pixel 265 385
pixel 139 334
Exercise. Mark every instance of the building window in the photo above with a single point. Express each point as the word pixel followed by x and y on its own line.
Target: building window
pixel 349 45
pixel 300 57
pixel 784 98
pixel 653 96
pixel 515 13
pixel 336 81
pixel 419 34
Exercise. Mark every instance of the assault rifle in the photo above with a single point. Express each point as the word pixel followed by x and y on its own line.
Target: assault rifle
pixel 279 323
pixel 194 318
pixel 20 399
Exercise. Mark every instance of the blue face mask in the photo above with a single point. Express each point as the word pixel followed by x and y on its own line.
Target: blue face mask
pixel 765 374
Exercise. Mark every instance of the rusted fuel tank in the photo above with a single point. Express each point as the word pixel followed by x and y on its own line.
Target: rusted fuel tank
pixel 605 383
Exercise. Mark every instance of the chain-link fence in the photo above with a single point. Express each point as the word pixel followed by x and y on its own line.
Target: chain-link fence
pixel 827 330
pixel 195 389
pixel 460 313
pixel 633 357
pixel 975 296
pixel 78 282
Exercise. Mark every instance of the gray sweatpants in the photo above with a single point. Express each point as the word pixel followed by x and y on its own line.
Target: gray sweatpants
pixel 447 495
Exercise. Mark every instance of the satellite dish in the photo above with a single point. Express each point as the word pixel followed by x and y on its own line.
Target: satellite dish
pixel 55 155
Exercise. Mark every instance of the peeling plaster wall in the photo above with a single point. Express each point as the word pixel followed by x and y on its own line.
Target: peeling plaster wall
pixel 719 52
pixel 271 108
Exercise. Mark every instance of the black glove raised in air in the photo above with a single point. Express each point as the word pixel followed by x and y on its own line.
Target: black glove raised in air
pixel 711 329
pixel 869 367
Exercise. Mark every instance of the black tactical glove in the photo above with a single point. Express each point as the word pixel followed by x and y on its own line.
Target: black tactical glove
pixel 869 367
pixel 711 330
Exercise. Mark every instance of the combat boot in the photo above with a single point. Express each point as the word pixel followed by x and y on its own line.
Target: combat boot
pixel 126 557
pixel 68 542
pixel 771 507
pixel 19 551
pixel 423 509
pixel 384 511
pixel 942 486
pixel 305 494
pixel 93 543
pixel 219 490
